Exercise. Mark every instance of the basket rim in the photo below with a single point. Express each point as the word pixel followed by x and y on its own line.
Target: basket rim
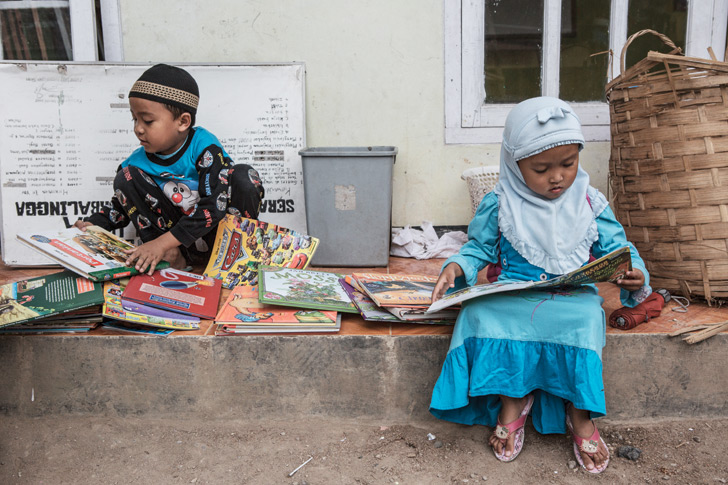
pixel 486 169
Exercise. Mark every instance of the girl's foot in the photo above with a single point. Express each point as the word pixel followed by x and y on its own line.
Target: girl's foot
pixel 507 440
pixel 584 428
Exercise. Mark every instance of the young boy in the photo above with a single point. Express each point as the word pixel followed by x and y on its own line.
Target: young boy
pixel 180 183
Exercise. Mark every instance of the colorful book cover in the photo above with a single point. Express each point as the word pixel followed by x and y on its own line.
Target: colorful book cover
pixel 95 253
pixel 397 290
pixel 242 307
pixel 243 244
pixel 178 291
pixel 367 308
pixel 43 296
pixel 304 289
pixel 608 268
pixel 115 309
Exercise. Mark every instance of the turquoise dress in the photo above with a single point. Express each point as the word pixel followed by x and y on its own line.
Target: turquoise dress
pixel 548 342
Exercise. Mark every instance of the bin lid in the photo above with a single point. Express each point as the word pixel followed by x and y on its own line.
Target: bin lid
pixel 382 151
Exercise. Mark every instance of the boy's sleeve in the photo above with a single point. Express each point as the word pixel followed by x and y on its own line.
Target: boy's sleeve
pixel 111 216
pixel 213 190
pixel 613 237
pixel 482 245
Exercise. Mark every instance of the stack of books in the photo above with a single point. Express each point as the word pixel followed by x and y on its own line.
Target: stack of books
pixel 168 299
pixel 396 297
pixel 156 304
pixel 60 302
pixel 286 300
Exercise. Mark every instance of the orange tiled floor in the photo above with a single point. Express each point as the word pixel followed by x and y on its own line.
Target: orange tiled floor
pixel 698 313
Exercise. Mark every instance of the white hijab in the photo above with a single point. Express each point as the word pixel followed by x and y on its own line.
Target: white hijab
pixel 557 234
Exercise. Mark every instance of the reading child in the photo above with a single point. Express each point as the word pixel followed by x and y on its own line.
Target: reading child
pixel 180 183
pixel 536 351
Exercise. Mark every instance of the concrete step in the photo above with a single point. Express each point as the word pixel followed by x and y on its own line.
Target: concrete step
pixel 349 376
pixel 372 371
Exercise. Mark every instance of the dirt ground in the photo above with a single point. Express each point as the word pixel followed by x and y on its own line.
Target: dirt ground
pixel 97 450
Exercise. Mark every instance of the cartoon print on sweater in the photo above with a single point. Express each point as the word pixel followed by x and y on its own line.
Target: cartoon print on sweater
pixel 181 195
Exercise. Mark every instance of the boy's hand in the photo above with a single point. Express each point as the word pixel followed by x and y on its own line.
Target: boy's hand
pixel 81 224
pixel 149 254
pixel 446 280
pixel 632 280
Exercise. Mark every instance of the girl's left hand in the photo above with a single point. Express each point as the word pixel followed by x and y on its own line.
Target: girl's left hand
pixel 632 280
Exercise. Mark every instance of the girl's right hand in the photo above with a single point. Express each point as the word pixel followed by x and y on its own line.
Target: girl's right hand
pixel 446 280
pixel 81 224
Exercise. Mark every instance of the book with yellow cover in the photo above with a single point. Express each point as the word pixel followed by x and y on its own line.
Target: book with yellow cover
pixel 242 244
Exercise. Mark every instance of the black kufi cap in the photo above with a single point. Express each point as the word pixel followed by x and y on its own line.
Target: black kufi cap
pixel 169 85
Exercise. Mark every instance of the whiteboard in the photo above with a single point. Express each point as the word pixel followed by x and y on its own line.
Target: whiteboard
pixel 65 128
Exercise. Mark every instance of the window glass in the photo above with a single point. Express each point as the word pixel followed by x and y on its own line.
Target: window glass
pixel 513 49
pixel 584 31
pixel 666 17
pixel 35 33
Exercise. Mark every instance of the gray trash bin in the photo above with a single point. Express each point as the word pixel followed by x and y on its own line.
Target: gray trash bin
pixel 348 193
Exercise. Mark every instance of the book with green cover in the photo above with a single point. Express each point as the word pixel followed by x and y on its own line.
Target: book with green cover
pixel 303 288
pixel 94 253
pixel 43 296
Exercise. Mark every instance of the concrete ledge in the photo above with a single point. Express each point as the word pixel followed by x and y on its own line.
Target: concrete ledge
pixel 280 377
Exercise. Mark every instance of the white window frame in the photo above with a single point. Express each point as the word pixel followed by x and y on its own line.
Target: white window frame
pixel 83 26
pixel 468 119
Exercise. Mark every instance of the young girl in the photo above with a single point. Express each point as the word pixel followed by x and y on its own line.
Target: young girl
pixel 536 351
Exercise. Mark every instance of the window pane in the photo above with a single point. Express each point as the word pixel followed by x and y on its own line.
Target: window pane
pixel 584 31
pixel 666 17
pixel 513 50
pixel 36 33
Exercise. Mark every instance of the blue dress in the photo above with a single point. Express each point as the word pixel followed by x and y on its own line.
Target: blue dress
pixel 548 342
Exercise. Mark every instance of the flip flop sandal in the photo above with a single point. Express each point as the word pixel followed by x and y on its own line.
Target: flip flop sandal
pixel 504 431
pixel 588 446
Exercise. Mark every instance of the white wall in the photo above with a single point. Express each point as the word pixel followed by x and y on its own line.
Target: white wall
pixel 374 76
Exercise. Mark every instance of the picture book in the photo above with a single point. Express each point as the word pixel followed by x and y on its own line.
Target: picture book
pixel 242 244
pixel 367 308
pixel 136 328
pixel 225 330
pixel 303 288
pixel 397 290
pixel 43 296
pixel 608 268
pixel 420 315
pixel 242 307
pixel 176 290
pixel 115 309
pixel 95 253
pixel 57 327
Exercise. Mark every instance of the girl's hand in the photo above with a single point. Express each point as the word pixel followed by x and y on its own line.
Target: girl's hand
pixel 632 280
pixel 446 280
pixel 82 224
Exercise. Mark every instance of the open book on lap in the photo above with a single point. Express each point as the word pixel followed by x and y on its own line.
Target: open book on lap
pixel 608 268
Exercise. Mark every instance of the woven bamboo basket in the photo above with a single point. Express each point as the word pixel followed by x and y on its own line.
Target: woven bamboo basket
pixel 668 167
